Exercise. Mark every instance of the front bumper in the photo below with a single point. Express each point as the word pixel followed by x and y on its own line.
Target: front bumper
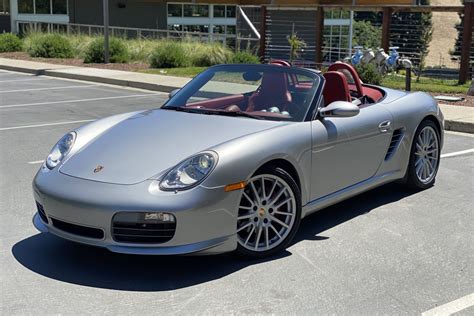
pixel 205 217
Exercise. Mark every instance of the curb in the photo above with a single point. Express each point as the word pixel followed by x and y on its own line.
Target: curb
pixel 111 81
pixel 52 72
pixel 459 126
pixel 449 125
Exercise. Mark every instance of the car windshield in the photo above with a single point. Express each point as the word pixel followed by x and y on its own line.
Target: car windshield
pixel 268 92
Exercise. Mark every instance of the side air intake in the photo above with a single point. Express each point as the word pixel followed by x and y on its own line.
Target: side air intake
pixel 394 143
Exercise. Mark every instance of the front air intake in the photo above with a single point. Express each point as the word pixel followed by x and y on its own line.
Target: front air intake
pixel 143 228
pixel 394 143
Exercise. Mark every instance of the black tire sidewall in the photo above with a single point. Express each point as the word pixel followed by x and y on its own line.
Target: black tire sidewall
pixel 283 175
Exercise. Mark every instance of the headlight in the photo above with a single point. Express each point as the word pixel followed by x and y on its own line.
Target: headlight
pixel 189 173
pixel 60 150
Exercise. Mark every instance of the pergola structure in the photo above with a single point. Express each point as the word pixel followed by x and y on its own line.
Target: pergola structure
pixel 388 7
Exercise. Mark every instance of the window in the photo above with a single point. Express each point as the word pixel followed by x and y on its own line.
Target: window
pixel 42 6
pixel 25 6
pixel 219 29
pixel 196 28
pixel 219 11
pixel 196 10
pixel 4 6
pixel 231 11
pixel 59 6
pixel 175 10
pixel 230 29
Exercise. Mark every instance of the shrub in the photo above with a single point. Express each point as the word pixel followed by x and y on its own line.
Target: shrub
pixel 49 46
pixel 205 55
pixel 140 49
pixel 369 74
pixel 118 52
pixel 10 43
pixel 168 54
pixel 245 58
pixel 80 43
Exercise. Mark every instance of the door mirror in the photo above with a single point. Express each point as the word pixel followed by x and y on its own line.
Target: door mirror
pixel 173 93
pixel 340 109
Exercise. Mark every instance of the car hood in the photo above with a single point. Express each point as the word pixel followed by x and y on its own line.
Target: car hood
pixel 151 142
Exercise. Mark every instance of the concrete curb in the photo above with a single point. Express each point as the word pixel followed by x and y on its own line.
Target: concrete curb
pixel 455 125
pixel 112 81
pixel 459 126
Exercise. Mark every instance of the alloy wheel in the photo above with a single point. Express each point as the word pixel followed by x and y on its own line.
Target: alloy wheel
pixel 267 213
pixel 426 154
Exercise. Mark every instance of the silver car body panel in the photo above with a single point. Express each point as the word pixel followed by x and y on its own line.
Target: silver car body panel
pixel 334 159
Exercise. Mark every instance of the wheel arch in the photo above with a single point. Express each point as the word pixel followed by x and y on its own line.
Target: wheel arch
pixel 283 164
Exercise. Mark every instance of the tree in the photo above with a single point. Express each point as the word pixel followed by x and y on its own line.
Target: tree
pixel 411 31
pixel 296 44
pixel 366 35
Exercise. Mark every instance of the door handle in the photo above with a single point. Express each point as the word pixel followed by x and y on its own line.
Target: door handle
pixel 385 126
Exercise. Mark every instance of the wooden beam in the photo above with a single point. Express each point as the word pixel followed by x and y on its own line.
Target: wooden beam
pixel 466 42
pixel 387 16
pixel 263 35
pixel 319 32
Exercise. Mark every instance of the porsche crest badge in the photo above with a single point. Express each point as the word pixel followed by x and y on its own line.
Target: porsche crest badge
pixel 98 169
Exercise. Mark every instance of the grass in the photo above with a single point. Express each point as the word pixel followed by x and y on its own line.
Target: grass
pixel 188 72
pixel 426 84
pixel 391 81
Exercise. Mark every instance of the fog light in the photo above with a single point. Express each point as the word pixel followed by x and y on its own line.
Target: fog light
pixel 144 218
pixel 161 217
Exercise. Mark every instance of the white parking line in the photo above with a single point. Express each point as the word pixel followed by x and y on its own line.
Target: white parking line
pixel 452 307
pixel 42 125
pixel 35 162
pixel 458 153
pixel 53 88
pixel 81 100
pixel 33 79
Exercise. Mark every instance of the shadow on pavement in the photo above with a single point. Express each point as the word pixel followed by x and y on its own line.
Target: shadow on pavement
pixel 65 261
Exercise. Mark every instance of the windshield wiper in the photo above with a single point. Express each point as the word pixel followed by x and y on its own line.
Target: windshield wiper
pixel 212 112
pixel 239 113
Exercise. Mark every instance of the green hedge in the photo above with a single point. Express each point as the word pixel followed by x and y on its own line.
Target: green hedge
pixel 169 55
pixel 49 46
pixel 10 43
pixel 245 58
pixel 118 51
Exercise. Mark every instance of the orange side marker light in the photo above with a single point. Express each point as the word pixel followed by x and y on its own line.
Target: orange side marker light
pixel 235 186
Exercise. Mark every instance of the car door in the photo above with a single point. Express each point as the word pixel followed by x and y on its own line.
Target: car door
pixel 348 150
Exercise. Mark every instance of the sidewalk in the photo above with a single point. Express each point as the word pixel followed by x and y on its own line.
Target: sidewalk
pixel 457 118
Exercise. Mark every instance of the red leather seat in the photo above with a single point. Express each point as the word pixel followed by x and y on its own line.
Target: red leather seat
pixel 336 88
pixel 273 92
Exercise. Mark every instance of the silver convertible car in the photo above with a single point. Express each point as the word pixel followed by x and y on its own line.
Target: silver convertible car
pixel 234 160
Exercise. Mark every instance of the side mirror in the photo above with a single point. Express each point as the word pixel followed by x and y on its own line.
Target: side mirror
pixel 173 93
pixel 340 109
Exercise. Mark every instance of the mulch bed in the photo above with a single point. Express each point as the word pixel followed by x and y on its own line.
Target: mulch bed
pixel 75 62
pixel 468 100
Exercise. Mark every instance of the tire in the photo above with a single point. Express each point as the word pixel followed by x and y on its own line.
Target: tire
pixel 267 222
pixel 424 157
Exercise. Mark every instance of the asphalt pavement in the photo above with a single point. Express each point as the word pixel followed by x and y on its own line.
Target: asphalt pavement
pixel 388 251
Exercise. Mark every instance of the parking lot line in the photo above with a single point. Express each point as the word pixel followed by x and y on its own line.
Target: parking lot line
pixel 458 153
pixel 80 100
pixel 35 162
pixel 42 125
pixel 452 307
pixel 53 88
pixel 32 79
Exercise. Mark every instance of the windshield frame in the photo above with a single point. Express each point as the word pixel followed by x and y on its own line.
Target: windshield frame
pixel 203 78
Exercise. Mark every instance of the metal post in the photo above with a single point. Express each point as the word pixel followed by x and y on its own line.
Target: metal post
pixel 106 31
pixel 351 34
pixel 263 28
pixel 319 36
pixel 466 41
pixel 408 79
pixel 387 16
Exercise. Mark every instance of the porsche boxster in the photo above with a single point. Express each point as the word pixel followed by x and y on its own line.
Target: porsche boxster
pixel 234 160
